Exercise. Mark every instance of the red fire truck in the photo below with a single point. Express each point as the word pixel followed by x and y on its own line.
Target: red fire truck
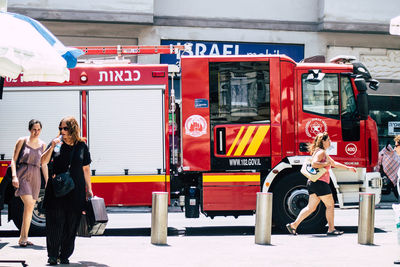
pixel 242 126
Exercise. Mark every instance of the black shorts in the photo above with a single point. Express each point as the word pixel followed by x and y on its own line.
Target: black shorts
pixel 319 188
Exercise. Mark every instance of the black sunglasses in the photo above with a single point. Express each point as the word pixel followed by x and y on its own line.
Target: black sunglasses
pixel 63 128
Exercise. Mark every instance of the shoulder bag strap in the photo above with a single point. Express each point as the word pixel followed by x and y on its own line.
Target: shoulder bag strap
pixel 315 152
pixel 70 157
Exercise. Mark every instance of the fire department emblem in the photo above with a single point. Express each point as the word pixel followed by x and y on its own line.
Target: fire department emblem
pixel 195 126
pixel 315 126
pixel 351 149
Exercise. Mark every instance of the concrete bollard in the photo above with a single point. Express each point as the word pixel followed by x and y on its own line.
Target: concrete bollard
pixel 366 218
pixel 263 226
pixel 159 218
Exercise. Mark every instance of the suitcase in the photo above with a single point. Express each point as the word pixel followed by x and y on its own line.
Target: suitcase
pixel 96 216
pixel 83 228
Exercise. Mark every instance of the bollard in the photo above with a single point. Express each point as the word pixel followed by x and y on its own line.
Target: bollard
pixel 159 218
pixel 366 217
pixel 262 230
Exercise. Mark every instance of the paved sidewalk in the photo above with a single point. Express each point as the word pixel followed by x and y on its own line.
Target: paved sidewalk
pixel 218 242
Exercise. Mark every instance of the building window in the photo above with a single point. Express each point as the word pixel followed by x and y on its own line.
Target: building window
pixel 384 109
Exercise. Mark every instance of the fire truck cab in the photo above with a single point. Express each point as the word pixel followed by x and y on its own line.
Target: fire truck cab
pixel 247 122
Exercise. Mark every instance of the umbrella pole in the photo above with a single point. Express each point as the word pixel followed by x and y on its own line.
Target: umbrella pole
pixel 3 5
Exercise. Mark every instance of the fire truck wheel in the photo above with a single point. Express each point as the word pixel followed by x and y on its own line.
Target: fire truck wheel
pixel 290 196
pixel 38 224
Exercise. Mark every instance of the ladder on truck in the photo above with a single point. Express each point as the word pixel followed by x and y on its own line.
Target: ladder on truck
pixel 120 50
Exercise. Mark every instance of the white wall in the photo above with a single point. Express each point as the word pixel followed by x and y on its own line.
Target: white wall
pixel 367 11
pixel 306 10
pixel 137 6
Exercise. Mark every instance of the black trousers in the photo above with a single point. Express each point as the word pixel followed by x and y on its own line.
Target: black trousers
pixel 61 227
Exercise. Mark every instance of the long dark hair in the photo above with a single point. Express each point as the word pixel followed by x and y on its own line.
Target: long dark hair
pixel 73 128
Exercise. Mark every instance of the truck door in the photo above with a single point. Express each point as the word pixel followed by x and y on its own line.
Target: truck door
pixel 239 115
pixel 330 106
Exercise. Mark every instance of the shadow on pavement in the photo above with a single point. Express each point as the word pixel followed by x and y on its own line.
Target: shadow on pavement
pixel 9 233
pixel 198 231
pixel 189 231
pixel 34 247
pixel 13 262
pixel 218 231
pixel 139 232
pixel 85 263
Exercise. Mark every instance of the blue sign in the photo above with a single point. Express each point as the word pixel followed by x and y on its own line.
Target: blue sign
pixel 201 103
pixel 294 51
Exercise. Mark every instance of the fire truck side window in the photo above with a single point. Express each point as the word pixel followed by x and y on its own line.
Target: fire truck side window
pixel 349 106
pixel 322 98
pixel 239 92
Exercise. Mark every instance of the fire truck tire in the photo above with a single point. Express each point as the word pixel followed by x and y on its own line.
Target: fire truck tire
pixel 290 196
pixel 38 223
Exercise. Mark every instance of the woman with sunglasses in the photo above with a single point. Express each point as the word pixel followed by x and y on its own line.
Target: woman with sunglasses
pixel 63 214
pixel 320 190
pixel 25 171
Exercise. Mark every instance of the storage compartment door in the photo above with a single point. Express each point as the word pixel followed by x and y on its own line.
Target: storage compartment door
pixel 127 146
pixel 18 108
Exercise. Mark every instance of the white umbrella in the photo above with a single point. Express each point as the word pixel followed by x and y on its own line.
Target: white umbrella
pixel 27 46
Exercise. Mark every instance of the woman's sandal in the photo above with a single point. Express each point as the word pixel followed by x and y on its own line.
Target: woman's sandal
pixel 335 232
pixel 291 229
pixel 25 244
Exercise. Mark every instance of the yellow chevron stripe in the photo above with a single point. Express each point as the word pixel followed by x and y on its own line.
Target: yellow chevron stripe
pixel 235 141
pixel 244 141
pixel 131 179
pixel 1 179
pixel 231 178
pixel 257 140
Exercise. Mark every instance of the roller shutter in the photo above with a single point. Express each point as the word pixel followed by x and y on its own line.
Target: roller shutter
pixel 17 108
pixel 126 131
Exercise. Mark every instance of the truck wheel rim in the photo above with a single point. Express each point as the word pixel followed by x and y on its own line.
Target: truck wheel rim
pixel 38 215
pixel 297 199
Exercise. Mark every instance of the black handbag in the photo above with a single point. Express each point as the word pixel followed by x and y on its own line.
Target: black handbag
pixel 6 183
pixel 63 182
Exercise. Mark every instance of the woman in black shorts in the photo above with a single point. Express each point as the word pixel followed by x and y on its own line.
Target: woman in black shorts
pixel 320 190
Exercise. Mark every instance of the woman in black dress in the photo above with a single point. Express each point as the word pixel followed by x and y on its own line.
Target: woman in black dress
pixel 63 213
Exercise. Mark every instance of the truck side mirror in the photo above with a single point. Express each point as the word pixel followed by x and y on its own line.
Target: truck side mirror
pixel 362 98
pixel 373 84
pixel 314 77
